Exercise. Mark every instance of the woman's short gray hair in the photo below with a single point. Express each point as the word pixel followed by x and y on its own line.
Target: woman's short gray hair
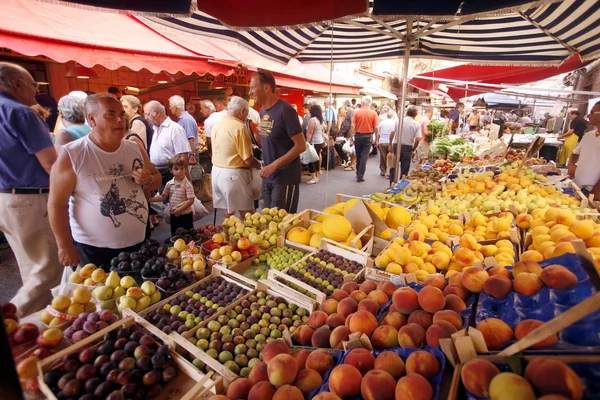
pixel 72 109
pixel 133 102
pixel 209 104
pixel 237 104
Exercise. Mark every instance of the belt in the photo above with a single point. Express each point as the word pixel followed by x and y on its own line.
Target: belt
pixel 364 133
pixel 25 190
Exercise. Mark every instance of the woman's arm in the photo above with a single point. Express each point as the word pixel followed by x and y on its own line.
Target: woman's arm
pixel 310 130
pixel 62 137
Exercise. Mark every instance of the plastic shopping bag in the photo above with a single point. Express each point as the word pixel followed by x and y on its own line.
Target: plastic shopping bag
pixel 348 149
pixel 309 155
pixel 198 209
pixel 256 184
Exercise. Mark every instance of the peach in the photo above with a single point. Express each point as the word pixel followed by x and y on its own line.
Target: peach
pixel 391 363
pixel 282 370
pixel 474 278
pixel 377 385
pixel 450 316
pixel 362 359
pixel 455 303
pixel 531 255
pixel 558 277
pixel 385 337
pixel 394 319
pixel 317 319
pixel 350 287
pixel 431 299
pixel 387 287
pixel 464 257
pixel 288 392
pixel 308 380
pixel 477 374
pixel 345 381
pixel 439 330
pixel 300 356
pixel 367 286
pixel 497 286
pixel 500 271
pixel 329 306
pixel 363 321
pixel 436 280
pixel 321 337
pixel 319 360
pixel 550 376
pixel 422 363
pixel 456 279
pixel 326 396
pixel 339 335
pixel 275 348
pixel 379 296
pixel 583 229
pixel 531 267
pixel 259 373
pixel 421 317
pixel 347 306
pixel 496 332
pixel 405 299
pixel 457 290
pixel 413 387
pixel 509 386
pixel 369 305
pixel 357 295
pixel 303 334
pixel 523 221
pixel 527 284
pixel 561 248
pixel 339 294
pixel 528 325
pixel 411 336
pixel 335 320
pixel 239 388
pixel 261 391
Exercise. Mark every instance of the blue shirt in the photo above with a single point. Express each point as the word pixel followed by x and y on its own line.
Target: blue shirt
pixel 22 134
pixel 331 115
pixel 190 126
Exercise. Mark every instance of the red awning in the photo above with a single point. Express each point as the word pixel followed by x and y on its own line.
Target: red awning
pixel 489 75
pixel 112 40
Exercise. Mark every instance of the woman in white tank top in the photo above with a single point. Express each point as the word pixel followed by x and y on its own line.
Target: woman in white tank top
pixel 316 136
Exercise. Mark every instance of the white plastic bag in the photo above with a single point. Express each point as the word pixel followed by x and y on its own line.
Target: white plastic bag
pixel 309 155
pixel 198 211
pixel 348 149
pixel 256 184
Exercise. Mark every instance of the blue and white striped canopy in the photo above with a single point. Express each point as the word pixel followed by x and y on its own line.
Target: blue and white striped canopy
pixel 539 33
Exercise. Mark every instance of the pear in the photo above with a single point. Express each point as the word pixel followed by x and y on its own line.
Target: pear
pixel 113 280
pixel 102 293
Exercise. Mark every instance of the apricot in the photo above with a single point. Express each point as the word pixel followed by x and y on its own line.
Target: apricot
pixel 363 321
pixel 457 290
pixel 455 303
pixel 531 267
pixel 339 294
pixel 369 305
pixel 411 336
pixel 321 337
pixel 421 317
pixel 413 387
pixel 558 277
pixel 439 330
pixel 326 396
pixel 347 306
pixel 282 370
pixel 335 320
pixel 358 295
pixel 362 359
pixel 261 391
pixel 509 386
pixel 405 299
pixel 300 356
pixel 378 385
pixel 339 335
pixel 450 316
pixel 350 287
pixel 320 361
pixel 496 332
pixel 550 376
pixel 394 319
pixel 465 257
pixel 303 334
pixel 345 381
pixel 317 319
pixel 583 229
pixel 497 286
pixel 436 280
pixel 367 286
pixel 329 306
pixel 477 374
pixel 275 348
pixel 500 271
pixel 560 249
pixel 385 337
pixel 259 373
pixel 527 284
pixel 391 363
pixel 528 325
pixel 456 279
pixel 239 388
pixel 387 287
pixel 431 299
pixel 474 278
pixel 288 392
pixel 379 296
pixel 308 380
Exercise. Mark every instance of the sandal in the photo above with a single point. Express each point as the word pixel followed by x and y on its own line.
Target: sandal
pixel 350 168
pixel 312 181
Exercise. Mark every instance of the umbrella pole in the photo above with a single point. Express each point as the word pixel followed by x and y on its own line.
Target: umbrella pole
pixel 401 107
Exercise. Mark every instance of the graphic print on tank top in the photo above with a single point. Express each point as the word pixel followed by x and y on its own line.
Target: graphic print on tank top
pixel 112 205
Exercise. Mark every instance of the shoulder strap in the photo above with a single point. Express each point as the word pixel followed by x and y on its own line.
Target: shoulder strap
pixel 137 136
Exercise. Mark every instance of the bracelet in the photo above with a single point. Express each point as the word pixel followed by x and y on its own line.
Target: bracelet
pixel 151 181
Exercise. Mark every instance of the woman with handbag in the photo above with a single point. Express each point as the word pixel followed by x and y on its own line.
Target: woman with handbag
pixel 316 136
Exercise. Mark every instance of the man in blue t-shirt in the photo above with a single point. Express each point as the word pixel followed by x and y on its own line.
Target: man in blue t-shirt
pixel 330 118
pixel 282 143
pixel 26 157
pixel 454 117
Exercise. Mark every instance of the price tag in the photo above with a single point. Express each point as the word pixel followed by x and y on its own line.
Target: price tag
pixel 397 280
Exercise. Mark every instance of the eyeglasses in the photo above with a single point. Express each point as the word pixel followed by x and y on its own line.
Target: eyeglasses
pixel 34 84
pixel 594 113
pixel 146 115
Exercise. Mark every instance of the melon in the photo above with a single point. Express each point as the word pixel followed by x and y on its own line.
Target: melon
pixel 299 235
pixel 349 204
pixel 315 239
pixel 377 210
pixel 397 216
pixel 315 228
pixel 336 228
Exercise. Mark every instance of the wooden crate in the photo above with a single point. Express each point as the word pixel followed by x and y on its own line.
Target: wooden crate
pixel 189 383
pixel 263 285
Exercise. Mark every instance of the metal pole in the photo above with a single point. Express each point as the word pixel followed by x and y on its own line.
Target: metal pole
pixel 407 43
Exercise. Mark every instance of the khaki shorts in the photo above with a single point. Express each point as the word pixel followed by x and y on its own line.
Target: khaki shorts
pixel 232 189
pixel 422 152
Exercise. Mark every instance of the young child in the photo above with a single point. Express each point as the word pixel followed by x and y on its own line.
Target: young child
pixel 180 193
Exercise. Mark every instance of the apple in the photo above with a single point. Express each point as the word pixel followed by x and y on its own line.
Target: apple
pixel 253 250
pixel 8 308
pixel 10 325
pixel 134 292
pixel 42 352
pixel 236 256
pixel 218 238
pixel 50 338
pixel 27 368
pixel 243 243
pixel 25 333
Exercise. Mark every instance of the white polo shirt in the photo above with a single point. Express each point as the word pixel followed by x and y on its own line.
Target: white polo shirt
pixel 169 139
pixel 587 173
pixel 212 121
pixel 411 130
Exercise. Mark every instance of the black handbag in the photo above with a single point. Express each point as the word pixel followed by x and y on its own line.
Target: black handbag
pixel 256 150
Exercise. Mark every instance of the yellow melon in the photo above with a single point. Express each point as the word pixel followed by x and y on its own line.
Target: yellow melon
pixel 336 228
pixel 315 239
pixel 299 235
pixel 349 204
pixel 397 216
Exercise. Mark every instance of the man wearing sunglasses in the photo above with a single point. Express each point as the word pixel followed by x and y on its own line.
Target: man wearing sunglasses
pixel 583 164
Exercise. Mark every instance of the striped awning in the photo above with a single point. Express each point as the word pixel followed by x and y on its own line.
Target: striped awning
pixel 543 32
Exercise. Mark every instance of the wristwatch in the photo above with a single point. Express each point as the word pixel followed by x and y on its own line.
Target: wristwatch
pixel 151 181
